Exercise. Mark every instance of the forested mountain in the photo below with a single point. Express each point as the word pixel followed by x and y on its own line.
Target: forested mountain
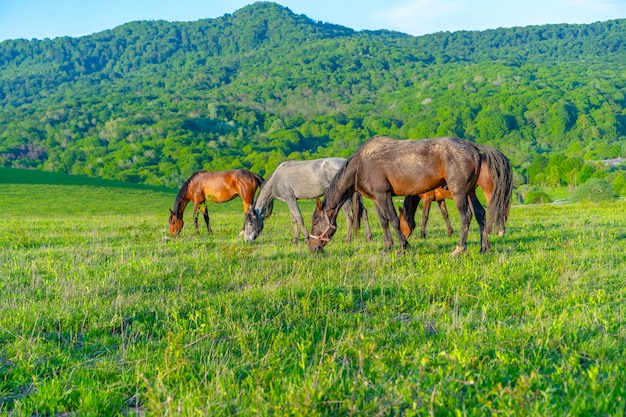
pixel 154 101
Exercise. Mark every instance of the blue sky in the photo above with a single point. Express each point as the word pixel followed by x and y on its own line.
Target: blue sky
pixel 52 18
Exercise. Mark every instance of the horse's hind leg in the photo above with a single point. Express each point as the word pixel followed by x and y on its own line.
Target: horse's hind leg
pixel 444 213
pixel 479 212
pixel 196 213
pixel 205 213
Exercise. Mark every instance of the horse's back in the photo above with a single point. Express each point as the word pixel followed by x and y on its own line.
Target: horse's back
pixel 305 179
pixel 312 166
pixel 413 167
pixel 222 186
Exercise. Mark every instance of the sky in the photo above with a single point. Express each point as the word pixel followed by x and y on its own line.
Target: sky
pixel 40 19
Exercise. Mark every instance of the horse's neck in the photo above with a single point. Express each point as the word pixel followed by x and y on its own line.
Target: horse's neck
pixel 179 206
pixel 265 197
pixel 343 187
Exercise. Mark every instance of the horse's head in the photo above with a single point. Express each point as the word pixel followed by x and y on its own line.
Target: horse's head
pixel 323 228
pixel 253 225
pixel 404 224
pixel 176 224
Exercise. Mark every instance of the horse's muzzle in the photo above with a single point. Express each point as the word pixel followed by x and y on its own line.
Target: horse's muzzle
pixel 316 246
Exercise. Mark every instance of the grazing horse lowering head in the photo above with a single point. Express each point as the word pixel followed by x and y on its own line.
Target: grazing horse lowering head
pixel 404 223
pixel 214 187
pixel 323 228
pixel 176 224
pixel 383 167
pixel 253 225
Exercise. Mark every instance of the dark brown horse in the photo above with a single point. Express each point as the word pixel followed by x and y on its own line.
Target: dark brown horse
pixel 384 167
pixel 407 211
pixel 214 187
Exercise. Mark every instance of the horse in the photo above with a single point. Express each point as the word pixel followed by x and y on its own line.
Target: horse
pixel 215 187
pixel 409 207
pixel 383 167
pixel 297 180
pixel 407 211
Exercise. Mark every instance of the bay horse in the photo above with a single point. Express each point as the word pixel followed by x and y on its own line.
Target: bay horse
pixel 406 212
pixel 383 167
pixel 297 180
pixel 409 207
pixel 214 187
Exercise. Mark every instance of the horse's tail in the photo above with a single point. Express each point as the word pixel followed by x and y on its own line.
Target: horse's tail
pixel 502 176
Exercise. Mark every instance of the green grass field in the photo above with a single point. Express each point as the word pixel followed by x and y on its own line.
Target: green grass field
pixel 101 313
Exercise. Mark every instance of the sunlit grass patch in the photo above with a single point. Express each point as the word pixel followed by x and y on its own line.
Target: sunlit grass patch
pixel 104 313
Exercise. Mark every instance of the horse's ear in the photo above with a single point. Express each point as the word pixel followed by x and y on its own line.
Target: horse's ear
pixel 171 212
pixel 401 210
pixel 318 203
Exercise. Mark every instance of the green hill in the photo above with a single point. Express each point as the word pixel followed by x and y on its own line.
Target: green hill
pixel 151 102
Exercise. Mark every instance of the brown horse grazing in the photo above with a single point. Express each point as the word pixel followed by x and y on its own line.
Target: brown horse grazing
pixel 214 187
pixel 384 167
pixel 407 211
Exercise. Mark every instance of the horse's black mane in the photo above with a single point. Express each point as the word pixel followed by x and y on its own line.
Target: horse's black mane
pixel 333 183
pixel 182 192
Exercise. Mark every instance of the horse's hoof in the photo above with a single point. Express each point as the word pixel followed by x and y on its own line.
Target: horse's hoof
pixel 294 241
pixel 459 250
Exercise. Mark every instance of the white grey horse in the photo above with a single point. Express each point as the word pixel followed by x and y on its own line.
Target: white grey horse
pixel 297 180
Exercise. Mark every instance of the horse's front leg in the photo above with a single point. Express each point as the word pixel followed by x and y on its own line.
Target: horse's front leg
pixel 384 222
pixel 296 220
pixel 465 213
pixel 387 214
pixel 425 214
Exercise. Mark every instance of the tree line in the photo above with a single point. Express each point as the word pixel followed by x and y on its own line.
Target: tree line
pixel 154 101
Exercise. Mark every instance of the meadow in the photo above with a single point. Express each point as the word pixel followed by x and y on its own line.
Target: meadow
pixel 102 313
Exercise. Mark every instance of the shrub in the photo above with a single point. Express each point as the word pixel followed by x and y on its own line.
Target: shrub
pixel 536 197
pixel 595 189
